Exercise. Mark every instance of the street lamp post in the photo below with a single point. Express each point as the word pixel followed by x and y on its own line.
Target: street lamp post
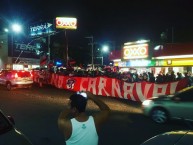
pixel 101 59
pixel 66 41
pixel 49 47
pixel 105 49
pixel 92 47
pixel 16 28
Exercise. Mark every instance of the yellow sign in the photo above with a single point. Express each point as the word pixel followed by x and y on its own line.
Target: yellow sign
pixel 66 23
pixel 178 62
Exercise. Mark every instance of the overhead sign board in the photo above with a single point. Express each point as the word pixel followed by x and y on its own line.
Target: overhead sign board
pixel 25 50
pixel 135 51
pixel 41 29
pixel 66 23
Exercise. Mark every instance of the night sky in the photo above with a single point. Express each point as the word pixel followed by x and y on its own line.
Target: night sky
pixel 109 20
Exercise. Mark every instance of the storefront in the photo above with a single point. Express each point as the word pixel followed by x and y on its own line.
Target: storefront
pixel 142 57
pixel 134 57
pixel 174 57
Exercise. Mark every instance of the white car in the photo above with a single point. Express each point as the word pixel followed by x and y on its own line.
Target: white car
pixel 9 135
pixel 179 137
pixel 16 79
pixel 176 106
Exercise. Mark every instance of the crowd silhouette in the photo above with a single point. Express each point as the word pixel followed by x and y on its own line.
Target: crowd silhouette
pixel 126 76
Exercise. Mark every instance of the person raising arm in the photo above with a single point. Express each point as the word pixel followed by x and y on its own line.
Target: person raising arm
pixel 78 127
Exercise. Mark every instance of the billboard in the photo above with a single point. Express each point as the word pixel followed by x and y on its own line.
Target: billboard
pixel 20 49
pixel 40 29
pixel 135 51
pixel 66 23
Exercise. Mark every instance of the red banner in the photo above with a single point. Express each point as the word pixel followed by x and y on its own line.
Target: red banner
pixel 105 86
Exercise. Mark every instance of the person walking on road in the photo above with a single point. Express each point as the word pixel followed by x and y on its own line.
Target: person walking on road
pixel 78 127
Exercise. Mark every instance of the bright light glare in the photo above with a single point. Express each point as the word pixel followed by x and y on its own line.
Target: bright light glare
pixel 6 30
pixel 142 41
pixel 146 102
pixel 174 56
pixel 105 48
pixel 16 28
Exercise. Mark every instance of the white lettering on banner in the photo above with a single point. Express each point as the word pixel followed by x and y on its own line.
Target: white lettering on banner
pixel 133 91
pixel 173 87
pixel 116 87
pixel 159 89
pixel 146 91
pixel 83 80
pixel 92 85
pixel 128 91
pixel 60 81
pixel 140 94
pixel 102 86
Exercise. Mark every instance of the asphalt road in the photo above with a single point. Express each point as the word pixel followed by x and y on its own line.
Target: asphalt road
pixel 35 112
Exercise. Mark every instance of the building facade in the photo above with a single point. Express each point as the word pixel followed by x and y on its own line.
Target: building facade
pixel 145 57
pixel 17 53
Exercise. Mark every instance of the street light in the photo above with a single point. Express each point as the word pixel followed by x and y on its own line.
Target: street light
pixel 92 47
pixel 16 28
pixel 104 49
pixel 6 30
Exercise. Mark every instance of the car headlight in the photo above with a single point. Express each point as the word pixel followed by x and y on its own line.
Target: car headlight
pixel 147 102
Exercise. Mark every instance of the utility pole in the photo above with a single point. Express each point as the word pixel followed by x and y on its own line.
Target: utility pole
pixel 92 49
pixel 66 45
pixel 49 47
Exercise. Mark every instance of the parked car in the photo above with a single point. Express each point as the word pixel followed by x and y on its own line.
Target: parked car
pixel 16 79
pixel 181 137
pixel 168 107
pixel 9 135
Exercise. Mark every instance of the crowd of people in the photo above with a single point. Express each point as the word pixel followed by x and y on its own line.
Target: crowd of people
pixel 126 76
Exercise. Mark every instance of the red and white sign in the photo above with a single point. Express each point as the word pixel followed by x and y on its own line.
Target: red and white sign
pixel 135 51
pixel 115 88
pixel 66 23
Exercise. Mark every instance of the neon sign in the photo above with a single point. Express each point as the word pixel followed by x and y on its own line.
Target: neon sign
pixel 66 23
pixel 41 29
pixel 135 51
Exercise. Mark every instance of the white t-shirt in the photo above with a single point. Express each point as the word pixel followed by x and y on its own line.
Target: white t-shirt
pixel 83 133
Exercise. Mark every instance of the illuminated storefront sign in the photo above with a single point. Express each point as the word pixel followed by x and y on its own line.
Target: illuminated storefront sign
pixel 179 62
pixel 66 23
pixel 135 51
pixel 174 62
pixel 135 63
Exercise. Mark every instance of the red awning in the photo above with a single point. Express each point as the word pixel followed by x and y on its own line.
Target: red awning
pixel 115 54
pixel 174 49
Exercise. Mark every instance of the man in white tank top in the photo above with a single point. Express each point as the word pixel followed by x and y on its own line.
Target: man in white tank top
pixel 79 128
